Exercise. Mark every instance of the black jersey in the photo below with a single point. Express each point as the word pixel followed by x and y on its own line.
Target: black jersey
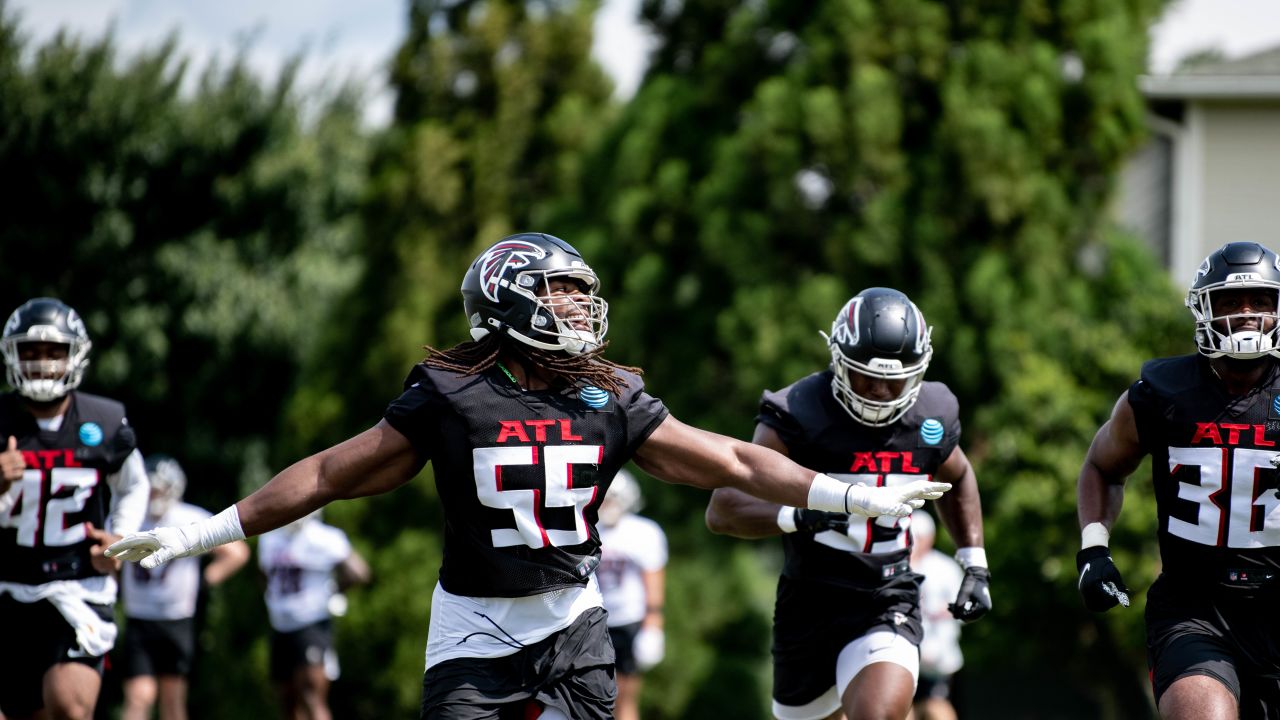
pixel 43 534
pixel 521 474
pixel 822 436
pixel 1213 465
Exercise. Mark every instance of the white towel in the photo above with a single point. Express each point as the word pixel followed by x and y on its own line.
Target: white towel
pixel 72 597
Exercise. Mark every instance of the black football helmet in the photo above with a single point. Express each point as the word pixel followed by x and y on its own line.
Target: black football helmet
pixel 505 291
pixel 879 333
pixel 1235 266
pixel 51 321
pixel 168 483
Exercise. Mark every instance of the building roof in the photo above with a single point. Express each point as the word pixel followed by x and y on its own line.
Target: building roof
pixel 1251 77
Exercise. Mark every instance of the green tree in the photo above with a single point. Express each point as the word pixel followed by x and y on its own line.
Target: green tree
pixel 203 234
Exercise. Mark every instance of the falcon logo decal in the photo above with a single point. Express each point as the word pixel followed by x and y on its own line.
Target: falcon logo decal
pixel 845 329
pixel 1201 271
pixel 503 257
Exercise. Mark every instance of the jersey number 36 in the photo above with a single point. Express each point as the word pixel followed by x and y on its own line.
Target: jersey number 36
pixel 1249 517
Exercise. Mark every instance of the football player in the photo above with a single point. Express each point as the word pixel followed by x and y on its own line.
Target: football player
pixel 847 623
pixel 633 576
pixel 307 563
pixel 526 425
pixel 1211 423
pixel 71 482
pixel 160 606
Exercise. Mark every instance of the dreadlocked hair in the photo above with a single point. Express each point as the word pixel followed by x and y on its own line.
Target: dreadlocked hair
pixel 473 358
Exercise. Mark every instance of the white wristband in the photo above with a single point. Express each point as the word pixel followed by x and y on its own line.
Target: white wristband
pixel 971 557
pixel 220 529
pixel 828 493
pixel 787 519
pixel 1095 533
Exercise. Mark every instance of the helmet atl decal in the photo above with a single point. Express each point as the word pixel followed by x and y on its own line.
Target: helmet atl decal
pixel 509 255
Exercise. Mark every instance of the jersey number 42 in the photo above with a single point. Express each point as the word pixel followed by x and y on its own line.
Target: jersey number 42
pixel 29 515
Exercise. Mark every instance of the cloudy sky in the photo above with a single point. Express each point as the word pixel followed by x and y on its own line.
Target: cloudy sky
pixel 343 37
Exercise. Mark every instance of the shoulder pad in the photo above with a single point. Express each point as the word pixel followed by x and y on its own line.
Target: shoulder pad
pixel 935 401
pixel 797 406
pixel 1171 376
pixel 118 439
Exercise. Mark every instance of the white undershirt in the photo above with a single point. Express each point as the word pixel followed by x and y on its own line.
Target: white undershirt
pixel 481 627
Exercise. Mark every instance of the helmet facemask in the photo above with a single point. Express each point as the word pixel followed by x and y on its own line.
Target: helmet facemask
pixel 517 287
pixel 882 336
pixel 45 380
pixel 877 413
pixel 1229 334
pixel 573 322
pixel 1251 271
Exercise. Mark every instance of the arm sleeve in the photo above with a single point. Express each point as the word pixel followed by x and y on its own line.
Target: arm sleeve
pixel 416 412
pixel 775 413
pixel 130 493
pixel 951 423
pixel 1143 400
pixel 644 412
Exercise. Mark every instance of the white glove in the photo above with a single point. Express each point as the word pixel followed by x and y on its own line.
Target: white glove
pixel 155 547
pixel 895 500
pixel 649 647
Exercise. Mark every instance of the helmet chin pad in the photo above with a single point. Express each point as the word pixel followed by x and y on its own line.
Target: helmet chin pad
pixel 575 342
pixel 1245 345
pixel 1250 342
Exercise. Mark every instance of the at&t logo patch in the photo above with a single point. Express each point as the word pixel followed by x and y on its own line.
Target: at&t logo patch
pixel 91 434
pixel 593 397
pixel 931 431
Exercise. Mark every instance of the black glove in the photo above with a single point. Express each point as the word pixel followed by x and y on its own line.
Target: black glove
pixel 1100 582
pixel 817 520
pixel 974 599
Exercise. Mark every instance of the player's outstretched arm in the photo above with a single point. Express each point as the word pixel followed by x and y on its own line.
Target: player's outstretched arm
pixel 373 462
pixel 679 453
pixel 1114 454
pixel 733 512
